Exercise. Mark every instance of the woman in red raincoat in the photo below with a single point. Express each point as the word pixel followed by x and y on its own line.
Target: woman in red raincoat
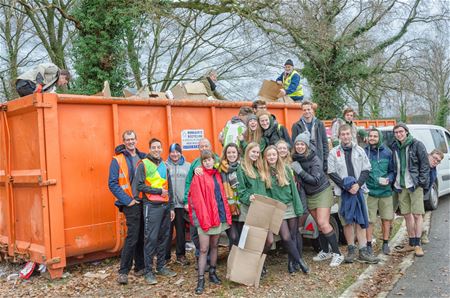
pixel 210 213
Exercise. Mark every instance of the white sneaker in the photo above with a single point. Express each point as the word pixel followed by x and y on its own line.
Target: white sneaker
pixel 322 256
pixel 336 260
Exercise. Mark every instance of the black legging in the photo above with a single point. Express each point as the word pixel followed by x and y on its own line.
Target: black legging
pixel 288 241
pixel 295 235
pixel 234 233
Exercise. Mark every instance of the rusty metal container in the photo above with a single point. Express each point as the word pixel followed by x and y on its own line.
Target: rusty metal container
pixel 55 151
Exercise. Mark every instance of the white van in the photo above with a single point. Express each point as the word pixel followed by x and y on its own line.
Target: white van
pixel 433 137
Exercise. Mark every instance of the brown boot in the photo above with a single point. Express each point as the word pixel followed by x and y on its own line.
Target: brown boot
pixel 418 251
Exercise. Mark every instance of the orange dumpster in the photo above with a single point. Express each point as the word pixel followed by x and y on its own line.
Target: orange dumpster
pixel 55 151
pixel 368 123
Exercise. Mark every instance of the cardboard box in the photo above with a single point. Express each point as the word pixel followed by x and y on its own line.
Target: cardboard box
pixel 253 238
pixel 270 90
pixel 245 266
pixel 194 90
pixel 272 211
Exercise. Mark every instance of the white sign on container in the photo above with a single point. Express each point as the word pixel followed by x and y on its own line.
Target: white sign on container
pixel 190 138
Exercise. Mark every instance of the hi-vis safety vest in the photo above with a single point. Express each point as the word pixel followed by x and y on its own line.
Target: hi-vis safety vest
pixel 156 177
pixel 124 180
pixel 287 82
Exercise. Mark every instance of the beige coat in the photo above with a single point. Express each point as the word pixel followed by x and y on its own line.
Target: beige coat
pixel 46 74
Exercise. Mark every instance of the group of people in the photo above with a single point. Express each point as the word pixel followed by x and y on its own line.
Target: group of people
pixel 213 193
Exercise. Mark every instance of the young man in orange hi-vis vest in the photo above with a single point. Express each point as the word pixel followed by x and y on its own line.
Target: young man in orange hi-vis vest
pixel 153 183
pixel 121 176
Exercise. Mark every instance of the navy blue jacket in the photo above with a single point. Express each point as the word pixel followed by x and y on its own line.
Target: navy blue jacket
pixel 353 207
pixel 122 199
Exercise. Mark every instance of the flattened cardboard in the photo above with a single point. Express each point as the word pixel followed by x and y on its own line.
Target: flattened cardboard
pixel 245 266
pixel 252 238
pixel 266 213
pixel 270 90
pixel 194 90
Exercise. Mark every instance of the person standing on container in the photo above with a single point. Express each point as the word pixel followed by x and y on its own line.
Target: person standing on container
pixel 43 78
pixel 209 80
pixel 178 170
pixel 290 80
pixel 210 214
pixel 121 177
pixel 155 187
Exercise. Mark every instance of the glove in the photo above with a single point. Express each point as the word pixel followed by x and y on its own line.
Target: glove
pixel 297 167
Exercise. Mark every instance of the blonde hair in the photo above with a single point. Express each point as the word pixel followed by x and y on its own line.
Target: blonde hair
pixel 288 158
pixel 280 168
pixel 248 166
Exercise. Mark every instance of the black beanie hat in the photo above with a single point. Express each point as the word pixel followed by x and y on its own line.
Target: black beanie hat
pixel 289 62
pixel 401 124
pixel 175 146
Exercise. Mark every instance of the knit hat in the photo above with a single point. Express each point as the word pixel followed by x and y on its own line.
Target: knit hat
pixel 403 125
pixel 304 137
pixel 175 146
pixel 251 117
pixel 289 62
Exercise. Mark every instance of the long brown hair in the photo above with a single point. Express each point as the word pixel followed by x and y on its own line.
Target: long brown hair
pixel 280 169
pixel 253 135
pixel 249 166
pixel 224 152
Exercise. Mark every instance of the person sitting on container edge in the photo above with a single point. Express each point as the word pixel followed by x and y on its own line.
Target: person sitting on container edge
pixel 178 170
pixel 155 187
pixel 290 79
pixel 210 82
pixel 435 157
pixel 43 78
pixel 121 176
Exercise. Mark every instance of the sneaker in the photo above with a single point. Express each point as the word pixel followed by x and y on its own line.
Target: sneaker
pixel 336 260
pixel 418 251
pixel 182 261
pixel 385 248
pixel 164 271
pixel 424 239
pixel 122 279
pixel 365 257
pixel 322 256
pixel 140 272
pixel 351 254
pixel 150 278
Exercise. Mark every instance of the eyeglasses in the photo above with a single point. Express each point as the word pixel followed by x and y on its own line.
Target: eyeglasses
pixel 436 159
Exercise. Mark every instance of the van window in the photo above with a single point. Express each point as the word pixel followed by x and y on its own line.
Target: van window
pixel 439 140
pixel 425 137
pixel 447 137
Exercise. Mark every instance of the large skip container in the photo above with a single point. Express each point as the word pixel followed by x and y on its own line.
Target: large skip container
pixel 55 151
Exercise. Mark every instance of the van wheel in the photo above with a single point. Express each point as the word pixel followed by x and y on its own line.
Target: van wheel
pixel 433 198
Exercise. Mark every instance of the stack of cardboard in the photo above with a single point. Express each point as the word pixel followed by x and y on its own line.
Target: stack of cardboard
pixel 194 90
pixel 246 260
pixel 143 92
pixel 270 91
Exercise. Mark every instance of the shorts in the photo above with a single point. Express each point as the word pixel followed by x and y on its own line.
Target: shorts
pixel 323 199
pixel 411 202
pixel 290 212
pixel 341 219
pixel 384 206
pixel 214 230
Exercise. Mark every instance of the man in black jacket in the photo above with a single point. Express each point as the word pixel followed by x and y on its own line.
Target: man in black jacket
pixel 153 181
pixel 412 180
pixel 316 128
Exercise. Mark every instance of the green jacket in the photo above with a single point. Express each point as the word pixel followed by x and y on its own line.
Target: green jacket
pixel 195 164
pixel 286 194
pixel 248 186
